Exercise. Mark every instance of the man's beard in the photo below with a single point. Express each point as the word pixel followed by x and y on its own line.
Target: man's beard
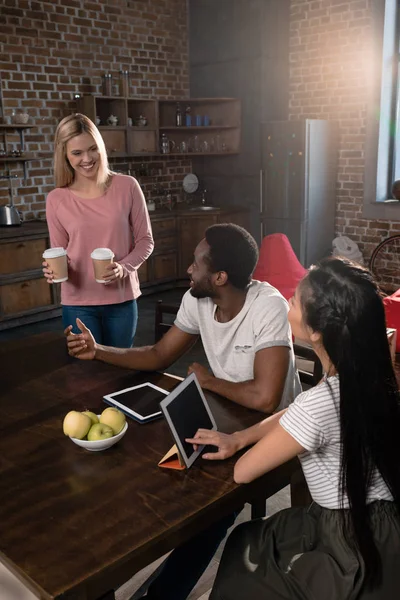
pixel 203 289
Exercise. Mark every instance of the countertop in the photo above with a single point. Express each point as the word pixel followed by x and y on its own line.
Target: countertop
pixel 38 228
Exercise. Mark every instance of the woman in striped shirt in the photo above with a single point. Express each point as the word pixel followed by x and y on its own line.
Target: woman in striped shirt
pixel 345 431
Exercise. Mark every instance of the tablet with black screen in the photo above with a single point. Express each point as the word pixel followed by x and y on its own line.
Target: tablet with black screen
pixel 186 410
pixel 140 402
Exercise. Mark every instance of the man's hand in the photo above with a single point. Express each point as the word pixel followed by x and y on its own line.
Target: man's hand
pixel 202 374
pixel 81 345
pixel 227 445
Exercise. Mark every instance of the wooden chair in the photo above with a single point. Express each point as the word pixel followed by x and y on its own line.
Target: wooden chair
pixel 161 326
pixel 312 375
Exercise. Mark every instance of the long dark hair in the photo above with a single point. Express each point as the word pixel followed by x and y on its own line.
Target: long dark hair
pixel 341 301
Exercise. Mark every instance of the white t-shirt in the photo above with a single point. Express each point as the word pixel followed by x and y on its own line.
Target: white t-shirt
pixel 313 420
pixel 231 347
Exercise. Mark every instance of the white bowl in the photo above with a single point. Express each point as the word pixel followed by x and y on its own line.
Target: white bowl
pixel 101 444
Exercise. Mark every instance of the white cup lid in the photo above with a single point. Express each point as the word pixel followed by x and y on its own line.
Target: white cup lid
pixel 54 252
pixel 102 254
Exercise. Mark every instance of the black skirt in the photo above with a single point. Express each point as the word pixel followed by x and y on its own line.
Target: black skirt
pixel 301 554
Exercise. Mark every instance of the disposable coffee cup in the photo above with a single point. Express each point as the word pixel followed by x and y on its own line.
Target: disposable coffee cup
pixel 56 258
pixel 101 258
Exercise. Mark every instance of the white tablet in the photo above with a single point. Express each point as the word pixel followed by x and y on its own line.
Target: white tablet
pixel 186 410
pixel 140 402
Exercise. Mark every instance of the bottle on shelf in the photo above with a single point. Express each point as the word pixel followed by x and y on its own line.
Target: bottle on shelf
pixel 188 116
pixel 124 83
pixel 164 146
pixel 107 84
pixel 178 115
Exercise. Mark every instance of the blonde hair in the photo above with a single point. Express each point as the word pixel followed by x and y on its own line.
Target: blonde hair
pixel 67 129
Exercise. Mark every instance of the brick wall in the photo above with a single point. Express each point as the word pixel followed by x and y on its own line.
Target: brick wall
pixel 50 50
pixel 330 48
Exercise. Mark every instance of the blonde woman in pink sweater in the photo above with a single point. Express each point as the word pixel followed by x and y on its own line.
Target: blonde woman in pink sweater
pixel 92 207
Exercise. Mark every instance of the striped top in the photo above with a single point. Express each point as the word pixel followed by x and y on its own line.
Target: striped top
pixel 313 420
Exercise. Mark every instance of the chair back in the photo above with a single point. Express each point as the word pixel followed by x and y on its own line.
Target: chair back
pixel 279 265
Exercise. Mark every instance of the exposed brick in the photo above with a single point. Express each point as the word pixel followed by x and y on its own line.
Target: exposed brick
pixel 340 34
pixel 50 50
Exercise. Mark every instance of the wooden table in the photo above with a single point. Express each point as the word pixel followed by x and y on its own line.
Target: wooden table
pixel 76 524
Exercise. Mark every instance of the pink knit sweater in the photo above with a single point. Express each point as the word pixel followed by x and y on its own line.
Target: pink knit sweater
pixel 118 220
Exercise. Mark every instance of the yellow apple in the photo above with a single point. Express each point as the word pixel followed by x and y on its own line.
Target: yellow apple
pixel 94 418
pixel 114 418
pixel 76 424
pixel 99 431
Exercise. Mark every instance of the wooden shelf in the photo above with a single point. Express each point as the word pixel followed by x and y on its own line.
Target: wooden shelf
pixel 224 115
pixel 174 154
pixel 11 126
pixel 218 100
pixel 196 127
pixel 24 158
pixel 124 127
pixel 135 128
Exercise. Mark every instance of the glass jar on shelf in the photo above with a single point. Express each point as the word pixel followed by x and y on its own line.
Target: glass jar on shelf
pixel 107 84
pixel 124 83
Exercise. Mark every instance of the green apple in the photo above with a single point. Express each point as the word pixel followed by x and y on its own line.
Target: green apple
pixel 76 424
pixel 114 418
pixel 99 431
pixel 94 418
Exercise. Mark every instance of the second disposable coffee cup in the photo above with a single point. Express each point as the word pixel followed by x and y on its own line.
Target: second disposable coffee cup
pixel 101 258
pixel 56 258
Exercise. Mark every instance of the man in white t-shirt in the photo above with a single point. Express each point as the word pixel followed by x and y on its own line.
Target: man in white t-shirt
pixel 247 339
pixel 242 323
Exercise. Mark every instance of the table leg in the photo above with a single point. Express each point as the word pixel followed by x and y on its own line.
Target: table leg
pixel 144 587
pixel 108 596
pixel 258 508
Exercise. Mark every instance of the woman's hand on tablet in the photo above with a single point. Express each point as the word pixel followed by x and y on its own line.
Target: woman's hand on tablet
pixel 227 444
pixel 81 345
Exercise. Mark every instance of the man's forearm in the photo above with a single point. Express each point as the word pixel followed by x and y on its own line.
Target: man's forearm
pixel 245 393
pixel 140 359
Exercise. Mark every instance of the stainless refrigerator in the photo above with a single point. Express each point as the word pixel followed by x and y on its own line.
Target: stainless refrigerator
pixel 298 185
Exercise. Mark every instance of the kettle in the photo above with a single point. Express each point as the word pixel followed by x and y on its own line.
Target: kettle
pixel 9 215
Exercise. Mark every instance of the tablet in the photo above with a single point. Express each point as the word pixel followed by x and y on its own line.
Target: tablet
pixel 186 410
pixel 140 402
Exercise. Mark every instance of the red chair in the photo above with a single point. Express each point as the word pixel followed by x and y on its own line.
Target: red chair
pixel 278 264
pixel 392 312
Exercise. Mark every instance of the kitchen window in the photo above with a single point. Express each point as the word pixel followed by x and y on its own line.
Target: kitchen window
pixel 382 152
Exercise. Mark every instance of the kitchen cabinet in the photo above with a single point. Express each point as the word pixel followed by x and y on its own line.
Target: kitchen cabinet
pixel 25 296
pixel 162 265
pixel 193 226
pixel 191 231
pixel 130 137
